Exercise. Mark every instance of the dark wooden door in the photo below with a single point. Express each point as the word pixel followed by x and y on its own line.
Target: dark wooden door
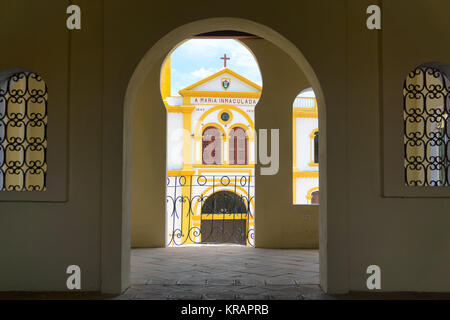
pixel 224 231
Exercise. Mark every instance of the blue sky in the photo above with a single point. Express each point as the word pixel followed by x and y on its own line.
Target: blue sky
pixel 198 58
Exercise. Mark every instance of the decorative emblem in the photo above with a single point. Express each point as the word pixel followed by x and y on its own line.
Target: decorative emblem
pixel 225 116
pixel 226 83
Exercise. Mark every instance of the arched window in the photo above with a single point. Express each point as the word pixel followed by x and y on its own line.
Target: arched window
pixel 426 105
pixel 312 196
pixel 212 146
pixel 238 146
pixel 23 131
pixel 316 147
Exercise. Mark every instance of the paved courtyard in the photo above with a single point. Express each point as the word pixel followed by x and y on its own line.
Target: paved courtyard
pixel 224 272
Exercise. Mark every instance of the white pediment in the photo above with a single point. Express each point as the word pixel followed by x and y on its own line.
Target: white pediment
pixel 225 80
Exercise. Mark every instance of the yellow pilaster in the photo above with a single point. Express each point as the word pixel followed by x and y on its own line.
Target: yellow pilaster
pixel 251 149
pixel 187 154
pixel 187 101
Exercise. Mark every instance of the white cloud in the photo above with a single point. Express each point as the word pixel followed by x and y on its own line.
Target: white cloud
pixel 242 57
pixel 201 73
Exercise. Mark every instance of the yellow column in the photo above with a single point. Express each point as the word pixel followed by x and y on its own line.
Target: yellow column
pixel 165 79
pixel 187 171
pixel 187 154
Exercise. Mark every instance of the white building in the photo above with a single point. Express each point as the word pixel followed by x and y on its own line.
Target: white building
pixel 306 152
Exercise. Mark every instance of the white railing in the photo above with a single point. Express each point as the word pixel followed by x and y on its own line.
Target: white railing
pixel 305 102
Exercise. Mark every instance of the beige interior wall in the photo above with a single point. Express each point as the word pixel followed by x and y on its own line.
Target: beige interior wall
pixel 360 72
pixel 41 237
pixel 406 235
pixel 279 224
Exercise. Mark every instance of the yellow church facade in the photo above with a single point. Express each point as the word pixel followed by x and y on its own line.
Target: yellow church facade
pixel 211 159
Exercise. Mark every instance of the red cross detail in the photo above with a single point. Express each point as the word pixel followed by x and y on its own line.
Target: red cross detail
pixel 224 58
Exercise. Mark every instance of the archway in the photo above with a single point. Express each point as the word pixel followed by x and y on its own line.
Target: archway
pixel 154 58
pixel 210 114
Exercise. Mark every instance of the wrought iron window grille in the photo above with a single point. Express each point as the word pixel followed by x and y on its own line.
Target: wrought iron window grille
pixel 426 103
pixel 23 132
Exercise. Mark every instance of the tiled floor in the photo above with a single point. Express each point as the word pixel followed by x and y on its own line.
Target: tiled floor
pixel 224 272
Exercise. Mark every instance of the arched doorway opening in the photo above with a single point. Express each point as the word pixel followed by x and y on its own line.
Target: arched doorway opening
pixel 210 138
pixel 145 71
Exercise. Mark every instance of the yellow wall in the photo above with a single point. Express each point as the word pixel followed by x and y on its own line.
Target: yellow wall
pixel 147 203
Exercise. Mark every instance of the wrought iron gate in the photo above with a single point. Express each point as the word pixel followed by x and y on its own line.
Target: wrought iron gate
pixel 210 209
